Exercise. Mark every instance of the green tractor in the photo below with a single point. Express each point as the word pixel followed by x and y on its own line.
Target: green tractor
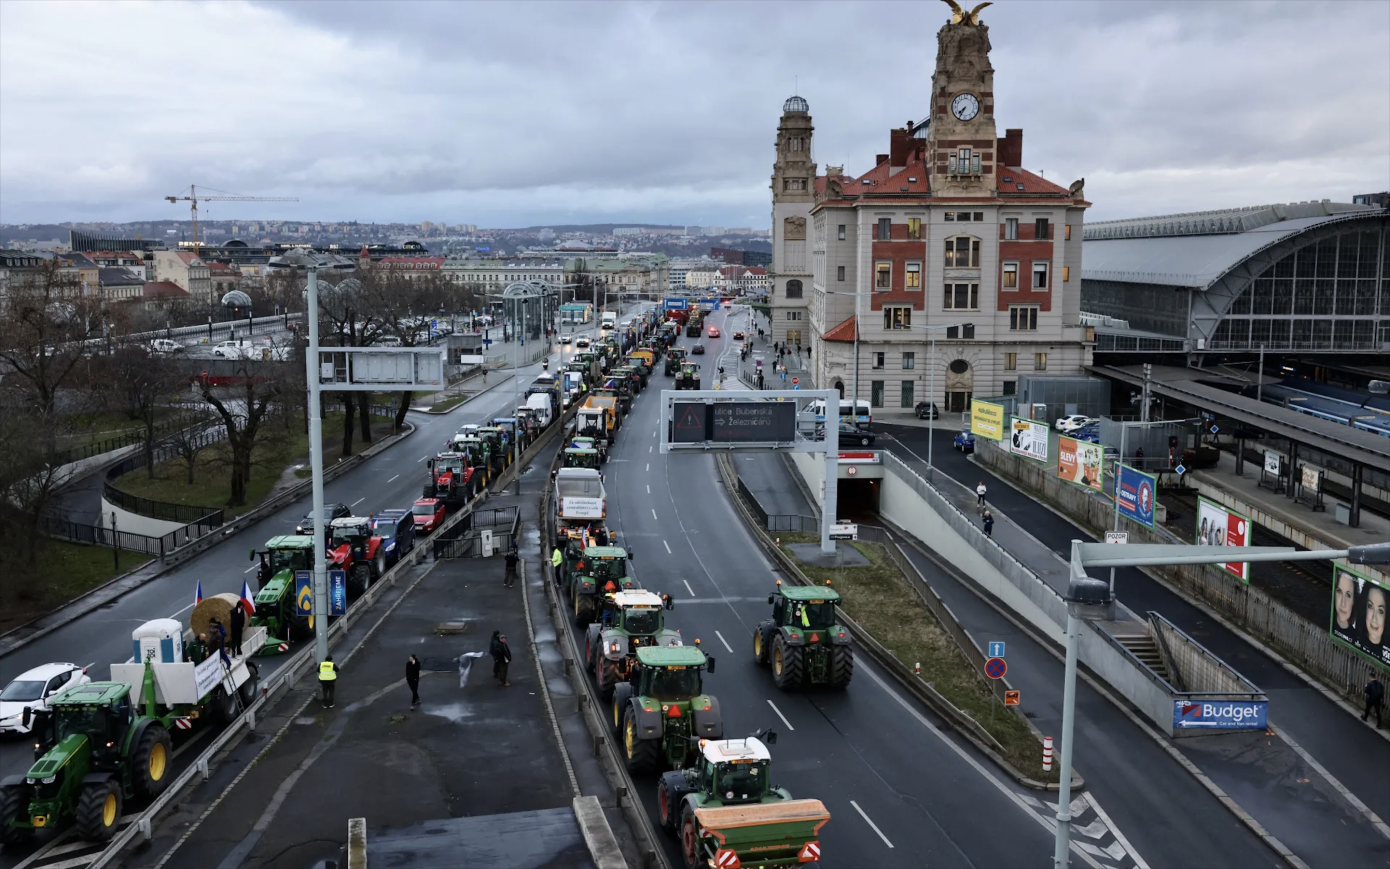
pixel 588 572
pixel 98 749
pixel 276 608
pixel 674 357
pixel 662 713
pixel 579 457
pixel 610 646
pixel 726 812
pixel 802 641
pixel 688 377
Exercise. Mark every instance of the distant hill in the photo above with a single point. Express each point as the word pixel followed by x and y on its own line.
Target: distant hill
pixel 594 228
pixel 38 231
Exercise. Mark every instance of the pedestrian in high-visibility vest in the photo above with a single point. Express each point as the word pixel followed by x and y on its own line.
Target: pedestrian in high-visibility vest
pixel 328 678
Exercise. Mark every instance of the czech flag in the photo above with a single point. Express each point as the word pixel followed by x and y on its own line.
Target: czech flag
pixel 198 595
pixel 246 599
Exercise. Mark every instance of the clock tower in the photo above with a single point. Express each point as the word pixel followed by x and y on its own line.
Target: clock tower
pixel 961 140
pixel 793 196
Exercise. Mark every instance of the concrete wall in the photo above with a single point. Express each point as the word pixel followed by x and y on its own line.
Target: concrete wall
pixel 1201 671
pixel 135 523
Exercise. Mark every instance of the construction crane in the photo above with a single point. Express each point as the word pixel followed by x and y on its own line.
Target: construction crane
pixel 192 197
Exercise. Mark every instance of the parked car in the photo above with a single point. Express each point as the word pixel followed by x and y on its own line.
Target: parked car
pixel 697 350
pixel 850 434
pixel 330 512
pixel 389 341
pixel 964 441
pixel 1088 433
pixel 926 410
pixel 396 528
pixel 429 515
pixel 1068 424
pixel 165 345
pixel 32 690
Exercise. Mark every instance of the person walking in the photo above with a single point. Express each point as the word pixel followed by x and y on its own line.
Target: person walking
pixel 1375 698
pixel 328 680
pixel 412 678
pixel 501 658
pixel 989 524
pixel 238 621
pixel 556 559
pixel 980 496
pixel 509 578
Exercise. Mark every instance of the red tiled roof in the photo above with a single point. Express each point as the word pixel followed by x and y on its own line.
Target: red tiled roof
pixel 190 258
pixel 1031 183
pixel 223 269
pixel 757 270
pixel 160 289
pixel 843 332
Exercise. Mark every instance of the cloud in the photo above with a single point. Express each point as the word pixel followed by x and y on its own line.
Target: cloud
pixel 505 113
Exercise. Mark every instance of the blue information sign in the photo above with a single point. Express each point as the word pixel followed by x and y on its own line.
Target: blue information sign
pixel 1134 496
pixel 996 649
pixel 304 592
pixel 1220 715
pixel 337 592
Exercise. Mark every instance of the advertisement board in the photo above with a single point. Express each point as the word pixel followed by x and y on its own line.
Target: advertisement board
pixel 1028 438
pixel 1080 462
pixel 304 592
pixel 987 420
pixel 1312 478
pixel 1272 460
pixel 337 592
pixel 1359 613
pixel 1134 495
pixel 1220 714
pixel 1217 526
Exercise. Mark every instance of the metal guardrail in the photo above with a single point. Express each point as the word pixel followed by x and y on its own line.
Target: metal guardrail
pixel 470 543
pixel 187 513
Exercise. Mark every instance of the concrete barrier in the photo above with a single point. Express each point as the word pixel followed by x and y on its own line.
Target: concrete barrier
pixel 603 845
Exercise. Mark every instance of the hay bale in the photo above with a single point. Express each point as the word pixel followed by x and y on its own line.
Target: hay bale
pixel 219 606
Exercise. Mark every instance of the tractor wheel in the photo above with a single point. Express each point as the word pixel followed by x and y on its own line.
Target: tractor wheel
pixel 247 691
pixel 583 607
pixel 841 666
pixel 361 578
pixel 669 795
pixel 787 669
pixel 621 694
pixel 150 765
pixel 379 566
pixel 640 755
pixel 608 678
pixel 427 491
pixel 691 847
pixel 99 811
pixel 224 706
pixel 14 803
pixel 760 642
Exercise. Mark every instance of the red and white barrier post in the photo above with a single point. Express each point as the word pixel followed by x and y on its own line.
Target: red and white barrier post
pixel 1047 753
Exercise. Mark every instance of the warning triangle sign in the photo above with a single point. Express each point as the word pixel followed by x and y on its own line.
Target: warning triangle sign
pixel 691 418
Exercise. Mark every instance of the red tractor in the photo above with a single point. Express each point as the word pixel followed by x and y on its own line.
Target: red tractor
pixel 452 479
pixel 354 547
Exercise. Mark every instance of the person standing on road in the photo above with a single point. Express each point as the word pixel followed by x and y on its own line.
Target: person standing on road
pixel 328 680
pixel 1375 698
pixel 509 578
pixel 989 524
pixel 980 495
pixel 501 658
pixel 412 678
pixel 556 559
pixel 238 620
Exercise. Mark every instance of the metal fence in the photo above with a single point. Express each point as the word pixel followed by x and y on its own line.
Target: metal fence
pixel 100 535
pixel 211 517
pixel 466 538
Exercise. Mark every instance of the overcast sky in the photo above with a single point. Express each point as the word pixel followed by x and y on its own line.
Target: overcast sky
pixel 515 114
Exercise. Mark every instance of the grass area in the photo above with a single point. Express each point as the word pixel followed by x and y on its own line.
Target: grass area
pixel 211 485
pixel 449 403
pixel 874 597
pixel 90 428
pixel 61 572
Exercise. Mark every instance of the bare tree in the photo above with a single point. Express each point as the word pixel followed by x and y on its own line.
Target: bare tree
pixel 243 402
pixel 193 433
pixel 349 307
pixel 139 384
pixel 45 322
pixel 398 301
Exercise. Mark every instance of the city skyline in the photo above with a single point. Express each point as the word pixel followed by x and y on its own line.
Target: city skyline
pixel 375 117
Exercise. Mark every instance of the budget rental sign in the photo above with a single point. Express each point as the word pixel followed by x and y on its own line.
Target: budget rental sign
pixel 1220 714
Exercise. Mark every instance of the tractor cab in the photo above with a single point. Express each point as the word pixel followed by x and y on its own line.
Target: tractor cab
pixel 802 641
pixel 688 377
pixel 581 458
pixel 472 448
pixel 639 615
pixel 354 531
pixel 804 607
pixel 357 549
pixel 734 771
pixel 670 674
pixel 283 555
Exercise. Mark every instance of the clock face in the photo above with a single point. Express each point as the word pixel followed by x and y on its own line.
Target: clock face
pixel 965 106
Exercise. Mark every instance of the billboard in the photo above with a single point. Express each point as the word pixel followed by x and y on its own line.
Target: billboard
pixel 1217 526
pixel 987 420
pixel 1220 714
pixel 1359 612
pixel 1311 478
pixel 1028 438
pixel 1134 495
pixel 1080 462
pixel 734 422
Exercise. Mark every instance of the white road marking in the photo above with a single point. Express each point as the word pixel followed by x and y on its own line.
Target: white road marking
pixel 649 490
pixel 649 467
pixel 421 459
pixel 649 449
pixel 1119 837
pixel 784 718
pixel 654 514
pixel 358 501
pixel 668 547
pixel 249 569
pixel 687 587
pixel 868 821
pixel 727 646
pixel 394 479
pixel 182 611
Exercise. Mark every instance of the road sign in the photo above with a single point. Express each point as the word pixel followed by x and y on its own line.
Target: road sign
pixel 995 668
pixel 795 381
pixel 1117 537
pixel 841 531
pixel 1180 469
pixel 337 592
pixel 996 649
pixel 1011 698
pixel 1214 429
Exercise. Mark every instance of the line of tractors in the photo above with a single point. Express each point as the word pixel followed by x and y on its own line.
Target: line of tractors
pixel 713 793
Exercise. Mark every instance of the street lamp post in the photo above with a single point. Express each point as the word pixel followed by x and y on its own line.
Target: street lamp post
pixel 931 387
pixel 854 400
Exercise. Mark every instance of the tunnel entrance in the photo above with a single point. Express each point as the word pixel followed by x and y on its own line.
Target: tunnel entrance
pixel 857 500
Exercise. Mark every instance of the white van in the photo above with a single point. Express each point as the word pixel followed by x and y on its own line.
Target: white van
pixel 539 405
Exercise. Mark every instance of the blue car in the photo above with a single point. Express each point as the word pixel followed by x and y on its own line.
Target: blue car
pixel 397 531
pixel 965 442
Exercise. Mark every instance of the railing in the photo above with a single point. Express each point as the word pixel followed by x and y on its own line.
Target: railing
pixel 210 517
pixel 504 522
pixel 127 541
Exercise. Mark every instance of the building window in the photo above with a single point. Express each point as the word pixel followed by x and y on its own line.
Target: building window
pixel 883 276
pixel 914 227
pixel 1010 276
pixel 914 276
pixel 950 217
pixel 1066 232
pixel 878 360
pixel 909 361
pixel 963 252
pixel 967 331
pixel 962 297
pixel 1040 228
pixel 1039 276
pixel 876 393
pixel 885 228
pixel 1039 361
pixel 897 317
pixel 1066 274
pixel 1010 361
pixel 1010 387
pixel 793 289
pixel 793 315
pixel 1011 228
pixel 842 232
pixel 905 397
pixel 840 273
pixel 1023 318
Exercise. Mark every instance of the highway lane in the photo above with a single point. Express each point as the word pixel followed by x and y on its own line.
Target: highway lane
pixel 901 792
